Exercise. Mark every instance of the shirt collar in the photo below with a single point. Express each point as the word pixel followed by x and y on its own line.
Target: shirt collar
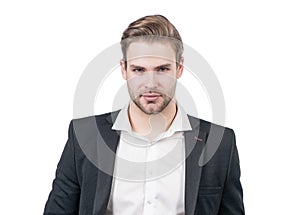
pixel 180 122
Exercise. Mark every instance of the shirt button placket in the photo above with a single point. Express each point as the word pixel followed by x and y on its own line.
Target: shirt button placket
pixel 148 204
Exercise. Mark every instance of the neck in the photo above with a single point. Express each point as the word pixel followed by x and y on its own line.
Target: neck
pixel 151 125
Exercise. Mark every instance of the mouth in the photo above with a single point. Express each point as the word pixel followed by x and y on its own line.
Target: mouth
pixel 151 97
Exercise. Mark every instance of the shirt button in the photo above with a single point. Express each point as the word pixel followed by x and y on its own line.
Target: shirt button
pixel 149 202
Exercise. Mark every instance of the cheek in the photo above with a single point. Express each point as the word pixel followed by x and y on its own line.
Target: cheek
pixel 167 81
pixel 135 83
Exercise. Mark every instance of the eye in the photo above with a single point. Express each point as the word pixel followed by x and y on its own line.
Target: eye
pixel 163 69
pixel 138 70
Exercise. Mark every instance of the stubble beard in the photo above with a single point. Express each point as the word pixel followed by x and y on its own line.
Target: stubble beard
pixel 152 111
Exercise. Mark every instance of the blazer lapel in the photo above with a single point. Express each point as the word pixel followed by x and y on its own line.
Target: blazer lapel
pixel 109 138
pixel 194 143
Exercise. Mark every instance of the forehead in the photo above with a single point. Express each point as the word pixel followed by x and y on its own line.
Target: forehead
pixel 158 51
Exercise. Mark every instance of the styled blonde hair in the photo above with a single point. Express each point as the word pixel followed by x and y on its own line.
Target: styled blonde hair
pixel 152 28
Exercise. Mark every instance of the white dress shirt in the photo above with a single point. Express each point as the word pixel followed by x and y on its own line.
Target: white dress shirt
pixel 149 176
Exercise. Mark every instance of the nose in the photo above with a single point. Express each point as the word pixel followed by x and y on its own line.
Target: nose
pixel 151 80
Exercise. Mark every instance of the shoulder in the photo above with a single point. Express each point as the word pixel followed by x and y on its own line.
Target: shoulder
pixel 101 119
pixel 220 142
pixel 208 127
pixel 217 138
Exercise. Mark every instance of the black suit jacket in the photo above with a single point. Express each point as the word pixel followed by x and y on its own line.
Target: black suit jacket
pixel 80 187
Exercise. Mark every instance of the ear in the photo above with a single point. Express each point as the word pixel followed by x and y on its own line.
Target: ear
pixel 123 69
pixel 180 68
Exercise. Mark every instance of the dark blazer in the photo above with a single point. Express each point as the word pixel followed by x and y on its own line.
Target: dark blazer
pixel 80 187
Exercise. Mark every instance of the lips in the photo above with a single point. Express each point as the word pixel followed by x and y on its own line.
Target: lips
pixel 150 97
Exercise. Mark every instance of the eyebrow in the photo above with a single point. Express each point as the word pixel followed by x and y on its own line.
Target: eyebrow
pixel 157 67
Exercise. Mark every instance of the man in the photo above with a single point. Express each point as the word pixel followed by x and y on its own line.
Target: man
pixel 155 167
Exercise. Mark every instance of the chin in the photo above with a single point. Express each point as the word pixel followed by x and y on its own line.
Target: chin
pixel 152 110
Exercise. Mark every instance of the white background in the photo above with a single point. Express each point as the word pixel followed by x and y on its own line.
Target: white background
pixel 252 46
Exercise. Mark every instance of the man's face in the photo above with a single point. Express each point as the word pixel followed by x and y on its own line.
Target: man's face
pixel 151 75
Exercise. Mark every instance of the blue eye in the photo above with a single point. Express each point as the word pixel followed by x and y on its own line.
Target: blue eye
pixel 138 70
pixel 163 69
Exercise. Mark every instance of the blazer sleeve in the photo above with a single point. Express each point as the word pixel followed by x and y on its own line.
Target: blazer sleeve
pixel 232 198
pixel 64 196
